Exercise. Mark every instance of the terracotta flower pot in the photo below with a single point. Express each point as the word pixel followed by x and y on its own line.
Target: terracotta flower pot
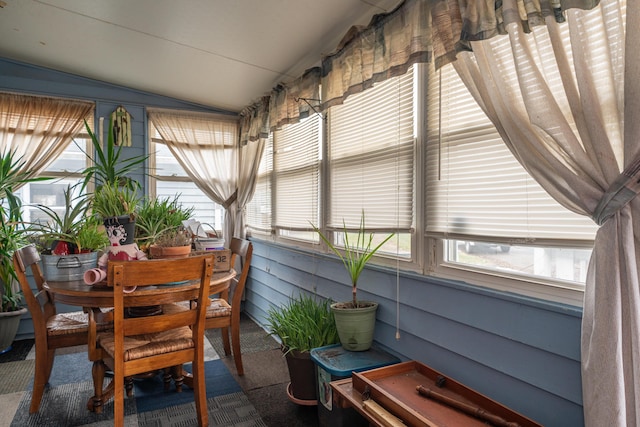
pixel 156 251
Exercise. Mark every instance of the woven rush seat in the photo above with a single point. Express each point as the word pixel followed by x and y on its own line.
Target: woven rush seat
pixel 218 307
pixel 139 346
pixel 71 323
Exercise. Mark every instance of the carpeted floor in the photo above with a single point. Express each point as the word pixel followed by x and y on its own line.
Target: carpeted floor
pixel 256 399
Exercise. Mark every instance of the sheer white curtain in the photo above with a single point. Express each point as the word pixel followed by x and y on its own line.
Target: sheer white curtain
pixel 254 131
pixel 205 145
pixel 570 115
pixel 38 129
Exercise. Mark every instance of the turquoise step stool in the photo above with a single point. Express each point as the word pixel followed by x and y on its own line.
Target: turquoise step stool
pixel 333 362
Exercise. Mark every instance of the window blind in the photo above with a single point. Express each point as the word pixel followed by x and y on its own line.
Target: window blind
pixel 475 187
pixel 296 167
pixel 370 157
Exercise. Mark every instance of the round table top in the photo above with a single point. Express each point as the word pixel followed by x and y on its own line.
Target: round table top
pixel 76 292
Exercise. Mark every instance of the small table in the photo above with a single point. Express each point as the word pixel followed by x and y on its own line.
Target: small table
pixel 77 293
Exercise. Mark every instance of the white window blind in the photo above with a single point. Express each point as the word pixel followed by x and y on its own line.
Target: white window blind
pixel 371 150
pixel 258 210
pixel 474 185
pixel 296 166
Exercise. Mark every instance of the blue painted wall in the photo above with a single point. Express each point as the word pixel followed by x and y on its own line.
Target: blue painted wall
pixel 24 78
pixel 519 351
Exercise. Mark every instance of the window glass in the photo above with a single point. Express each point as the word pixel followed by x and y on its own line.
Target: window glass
pixel 65 171
pixel 481 204
pixel 371 152
pixel 296 164
pixel 170 180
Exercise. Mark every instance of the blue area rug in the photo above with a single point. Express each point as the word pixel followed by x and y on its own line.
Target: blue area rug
pixel 71 386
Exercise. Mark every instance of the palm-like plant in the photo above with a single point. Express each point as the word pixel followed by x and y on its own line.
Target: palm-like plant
pixel 355 254
pixel 12 230
pixel 107 166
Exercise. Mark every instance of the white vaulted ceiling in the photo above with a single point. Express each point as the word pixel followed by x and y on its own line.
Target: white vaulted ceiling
pixel 217 53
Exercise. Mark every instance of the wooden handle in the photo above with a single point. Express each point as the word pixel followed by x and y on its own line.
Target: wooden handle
pixel 384 417
pixel 465 407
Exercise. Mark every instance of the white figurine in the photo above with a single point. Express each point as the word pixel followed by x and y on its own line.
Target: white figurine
pixel 119 250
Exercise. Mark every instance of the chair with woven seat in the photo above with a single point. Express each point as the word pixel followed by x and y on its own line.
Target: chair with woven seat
pixel 165 340
pixel 221 314
pixel 52 330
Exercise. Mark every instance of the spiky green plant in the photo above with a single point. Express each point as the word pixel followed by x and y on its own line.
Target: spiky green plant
pixel 67 226
pixel 112 200
pixel 107 165
pixel 303 323
pixel 155 216
pixel 12 229
pixel 354 255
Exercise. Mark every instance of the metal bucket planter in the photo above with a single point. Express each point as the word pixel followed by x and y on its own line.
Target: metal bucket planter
pixel 355 325
pixel 68 267
pixel 9 323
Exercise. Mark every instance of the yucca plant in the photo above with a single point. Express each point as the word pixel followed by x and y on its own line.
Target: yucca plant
pixel 303 323
pixel 107 166
pixel 355 254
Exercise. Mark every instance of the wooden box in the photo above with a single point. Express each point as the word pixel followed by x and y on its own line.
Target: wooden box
pixel 222 258
pixel 396 400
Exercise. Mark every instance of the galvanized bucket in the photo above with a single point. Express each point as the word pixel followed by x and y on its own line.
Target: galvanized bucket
pixel 61 268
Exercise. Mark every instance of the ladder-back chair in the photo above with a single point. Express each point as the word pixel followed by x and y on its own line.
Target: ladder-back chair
pixel 169 339
pixel 52 330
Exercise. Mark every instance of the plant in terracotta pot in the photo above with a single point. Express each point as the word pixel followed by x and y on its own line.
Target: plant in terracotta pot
pixel 171 243
pixel 304 323
pixel 355 319
pixel 156 216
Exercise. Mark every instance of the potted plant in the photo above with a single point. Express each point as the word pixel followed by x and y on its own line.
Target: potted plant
pixel 115 199
pixel 12 236
pixel 355 319
pixel 171 243
pixel 107 166
pixel 156 216
pixel 69 241
pixel 302 324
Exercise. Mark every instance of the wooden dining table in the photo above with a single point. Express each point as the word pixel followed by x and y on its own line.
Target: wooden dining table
pixel 100 296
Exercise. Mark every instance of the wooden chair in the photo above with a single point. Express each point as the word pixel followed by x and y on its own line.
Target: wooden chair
pixel 144 344
pixel 52 330
pixel 221 314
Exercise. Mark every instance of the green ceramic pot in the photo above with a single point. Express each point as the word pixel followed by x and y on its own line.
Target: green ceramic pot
pixel 355 325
